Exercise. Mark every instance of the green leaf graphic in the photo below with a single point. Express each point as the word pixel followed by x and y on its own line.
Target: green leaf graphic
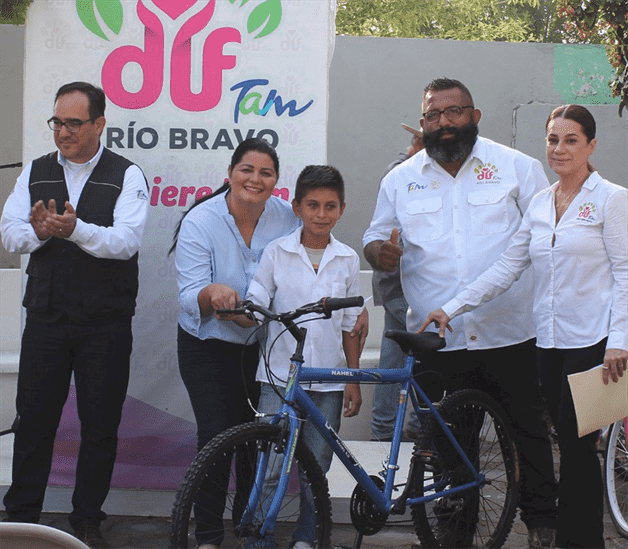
pixel 109 10
pixel 111 13
pixel 85 10
pixel 268 12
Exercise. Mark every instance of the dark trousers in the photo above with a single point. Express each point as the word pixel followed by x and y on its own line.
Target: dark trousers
pixel 509 375
pixel 99 356
pixel 581 490
pixel 218 387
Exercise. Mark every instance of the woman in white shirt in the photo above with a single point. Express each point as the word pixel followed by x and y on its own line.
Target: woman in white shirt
pixel 575 235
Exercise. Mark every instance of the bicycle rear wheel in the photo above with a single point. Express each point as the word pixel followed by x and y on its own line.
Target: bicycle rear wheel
pixel 616 477
pixel 216 487
pixel 476 517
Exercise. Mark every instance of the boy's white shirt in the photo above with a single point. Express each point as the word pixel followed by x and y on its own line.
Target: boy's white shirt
pixel 285 280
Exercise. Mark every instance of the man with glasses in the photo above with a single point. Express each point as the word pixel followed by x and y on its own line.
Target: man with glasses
pixel 80 214
pixel 455 205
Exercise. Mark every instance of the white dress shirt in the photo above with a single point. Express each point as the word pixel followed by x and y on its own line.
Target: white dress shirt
pixel 580 268
pixel 285 280
pixel 120 241
pixel 453 229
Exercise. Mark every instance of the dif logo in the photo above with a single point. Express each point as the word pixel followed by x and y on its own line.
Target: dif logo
pixel 152 59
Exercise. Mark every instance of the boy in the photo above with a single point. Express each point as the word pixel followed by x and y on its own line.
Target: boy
pixel 301 268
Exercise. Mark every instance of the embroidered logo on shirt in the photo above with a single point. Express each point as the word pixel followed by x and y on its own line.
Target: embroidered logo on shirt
pixel 414 186
pixel 586 212
pixel 486 173
pixel 141 195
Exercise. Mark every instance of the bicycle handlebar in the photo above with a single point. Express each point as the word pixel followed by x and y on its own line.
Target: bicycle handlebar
pixel 324 306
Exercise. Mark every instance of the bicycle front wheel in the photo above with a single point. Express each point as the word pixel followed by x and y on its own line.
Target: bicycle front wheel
pixel 476 517
pixel 616 477
pixel 211 505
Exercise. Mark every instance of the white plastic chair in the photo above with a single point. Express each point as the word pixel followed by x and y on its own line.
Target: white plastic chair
pixel 20 535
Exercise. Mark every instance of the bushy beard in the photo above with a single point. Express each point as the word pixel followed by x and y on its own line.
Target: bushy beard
pixel 451 149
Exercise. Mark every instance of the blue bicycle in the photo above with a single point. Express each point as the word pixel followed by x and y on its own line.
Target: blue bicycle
pixel 462 485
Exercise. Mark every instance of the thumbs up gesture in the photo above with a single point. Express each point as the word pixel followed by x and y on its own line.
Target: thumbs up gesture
pixel 390 252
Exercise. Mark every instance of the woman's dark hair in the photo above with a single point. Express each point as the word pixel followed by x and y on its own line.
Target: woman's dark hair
pixel 248 145
pixel 578 114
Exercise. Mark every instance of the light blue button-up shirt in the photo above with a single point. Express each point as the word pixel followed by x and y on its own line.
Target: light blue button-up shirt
pixel 211 250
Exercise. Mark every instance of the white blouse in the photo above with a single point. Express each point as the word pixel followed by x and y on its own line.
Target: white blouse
pixel 580 268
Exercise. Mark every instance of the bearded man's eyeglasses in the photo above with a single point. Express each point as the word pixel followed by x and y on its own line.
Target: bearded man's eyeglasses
pixel 452 113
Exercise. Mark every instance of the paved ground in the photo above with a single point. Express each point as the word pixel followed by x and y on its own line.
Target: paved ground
pixel 152 532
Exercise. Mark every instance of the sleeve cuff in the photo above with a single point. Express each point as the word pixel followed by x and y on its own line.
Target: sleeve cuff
pixel 452 308
pixel 617 340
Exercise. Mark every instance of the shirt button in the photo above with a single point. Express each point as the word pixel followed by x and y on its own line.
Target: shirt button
pixel 473 338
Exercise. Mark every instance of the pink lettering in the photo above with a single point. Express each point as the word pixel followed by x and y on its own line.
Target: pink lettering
pixel 168 196
pixel 183 196
pixel 174 8
pixel 154 195
pixel 151 60
pixel 203 191
pixel 282 193
pixel 214 62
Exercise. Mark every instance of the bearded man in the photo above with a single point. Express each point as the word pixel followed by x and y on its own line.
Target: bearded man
pixel 455 205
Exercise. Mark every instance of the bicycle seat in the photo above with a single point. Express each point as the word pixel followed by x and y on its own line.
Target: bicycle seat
pixel 413 343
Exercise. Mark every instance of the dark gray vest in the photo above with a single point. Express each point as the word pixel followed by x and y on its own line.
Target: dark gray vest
pixel 62 278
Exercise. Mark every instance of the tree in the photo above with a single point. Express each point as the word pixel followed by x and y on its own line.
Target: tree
pixel 13 11
pixel 562 21
pixel 488 20
pixel 606 20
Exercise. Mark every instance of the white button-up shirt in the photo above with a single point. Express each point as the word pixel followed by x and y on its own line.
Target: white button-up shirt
pixel 453 229
pixel 580 268
pixel 285 277
pixel 120 241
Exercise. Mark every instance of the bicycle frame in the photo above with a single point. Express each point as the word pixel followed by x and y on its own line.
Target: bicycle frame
pixel 296 395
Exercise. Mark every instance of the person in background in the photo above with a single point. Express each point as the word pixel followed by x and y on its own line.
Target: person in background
pixel 387 292
pixel 575 235
pixel 456 204
pixel 80 212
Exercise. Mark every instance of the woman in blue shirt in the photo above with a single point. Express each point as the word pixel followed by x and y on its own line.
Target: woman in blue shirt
pixel 218 246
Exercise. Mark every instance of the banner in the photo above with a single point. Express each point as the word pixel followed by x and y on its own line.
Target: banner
pixel 186 81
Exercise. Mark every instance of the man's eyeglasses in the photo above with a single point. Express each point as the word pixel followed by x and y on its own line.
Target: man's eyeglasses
pixel 452 113
pixel 72 125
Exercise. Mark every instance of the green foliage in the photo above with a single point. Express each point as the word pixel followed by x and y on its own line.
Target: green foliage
pixel 488 20
pixel 562 21
pixel 606 20
pixel 13 12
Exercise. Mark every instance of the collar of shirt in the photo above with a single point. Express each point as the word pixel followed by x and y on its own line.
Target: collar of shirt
pixel 292 244
pixel 76 175
pixel 91 162
pixel 591 182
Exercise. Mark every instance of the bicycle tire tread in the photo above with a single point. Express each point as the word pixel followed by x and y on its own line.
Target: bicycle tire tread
pixel 240 434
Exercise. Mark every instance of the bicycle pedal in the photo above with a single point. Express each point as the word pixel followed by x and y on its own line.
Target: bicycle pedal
pixel 429 458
